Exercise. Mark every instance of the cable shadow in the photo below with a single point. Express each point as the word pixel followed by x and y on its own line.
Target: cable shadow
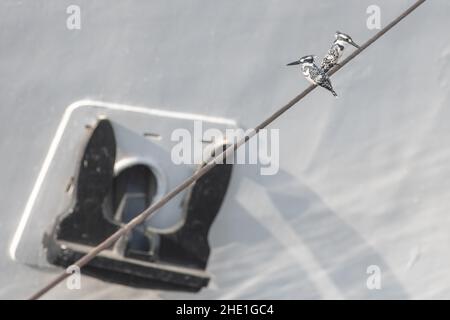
pixel 246 262
pixel 336 246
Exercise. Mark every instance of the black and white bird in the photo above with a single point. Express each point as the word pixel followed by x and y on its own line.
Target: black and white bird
pixel 335 52
pixel 314 73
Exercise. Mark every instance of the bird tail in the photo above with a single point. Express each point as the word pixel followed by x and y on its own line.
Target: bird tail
pixel 327 85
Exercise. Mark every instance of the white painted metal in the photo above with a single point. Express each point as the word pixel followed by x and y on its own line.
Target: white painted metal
pixel 364 179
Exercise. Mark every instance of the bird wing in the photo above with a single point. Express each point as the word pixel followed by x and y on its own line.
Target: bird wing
pixel 330 58
pixel 315 73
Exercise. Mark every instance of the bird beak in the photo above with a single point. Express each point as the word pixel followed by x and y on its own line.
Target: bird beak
pixel 355 45
pixel 293 63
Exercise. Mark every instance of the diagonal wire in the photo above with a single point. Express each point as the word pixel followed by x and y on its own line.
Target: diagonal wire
pixel 212 163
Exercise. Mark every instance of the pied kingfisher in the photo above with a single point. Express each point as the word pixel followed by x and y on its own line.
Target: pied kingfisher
pixel 335 53
pixel 313 73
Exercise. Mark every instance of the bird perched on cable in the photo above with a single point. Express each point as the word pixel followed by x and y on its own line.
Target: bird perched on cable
pixel 335 52
pixel 314 73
